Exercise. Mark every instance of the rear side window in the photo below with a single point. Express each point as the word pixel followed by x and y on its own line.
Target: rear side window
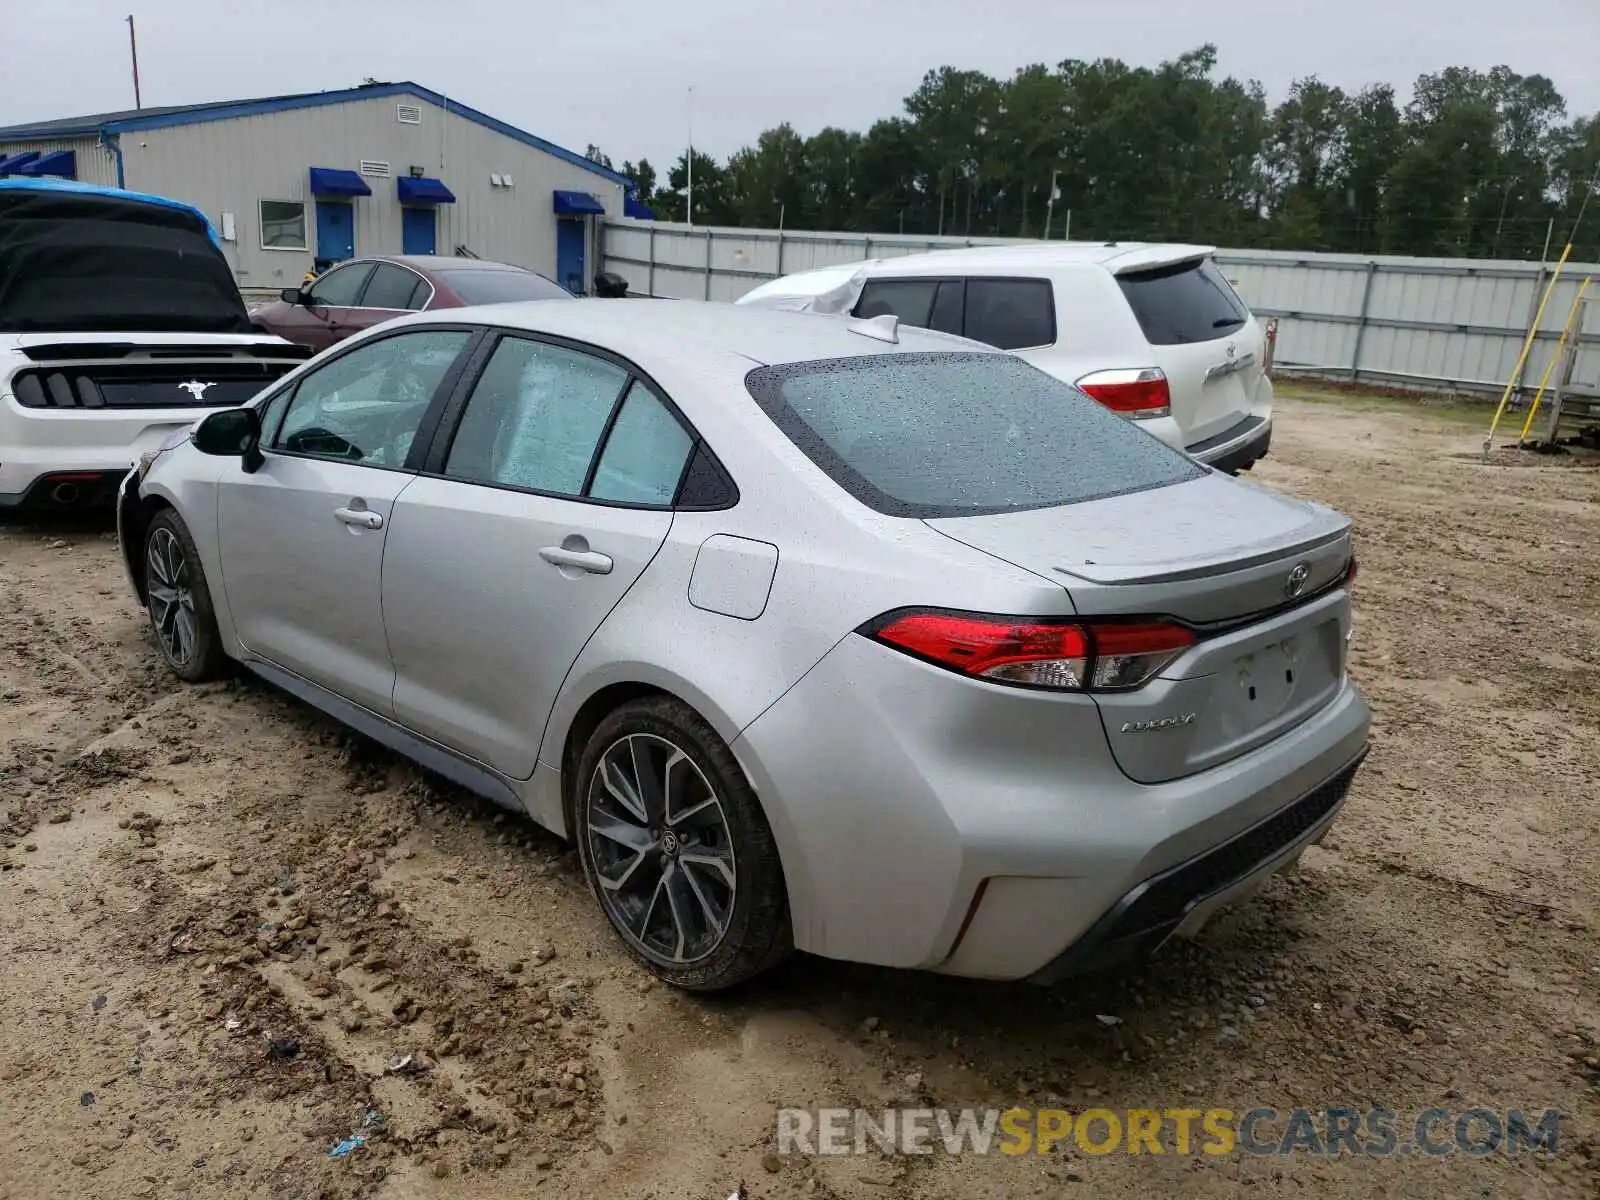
pixel 1185 302
pixel 392 287
pixel 961 434
pixel 535 418
pixel 1010 313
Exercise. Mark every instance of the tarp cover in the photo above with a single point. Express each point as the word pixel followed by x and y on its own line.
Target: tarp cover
pixel 92 261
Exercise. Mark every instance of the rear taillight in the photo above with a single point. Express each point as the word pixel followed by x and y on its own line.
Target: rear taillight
pixel 1138 394
pixel 1350 572
pixel 1077 656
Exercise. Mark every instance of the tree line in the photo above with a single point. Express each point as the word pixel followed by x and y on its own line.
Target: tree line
pixel 1477 163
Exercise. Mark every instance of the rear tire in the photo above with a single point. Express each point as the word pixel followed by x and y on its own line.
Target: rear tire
pixel 676 848
pixel 179 601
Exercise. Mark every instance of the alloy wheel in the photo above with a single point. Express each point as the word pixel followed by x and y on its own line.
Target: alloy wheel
pixel 168 584
pixel 661 849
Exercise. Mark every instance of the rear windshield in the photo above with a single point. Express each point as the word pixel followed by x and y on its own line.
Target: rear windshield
pixel 1186 302
pixel 501 287
pixel 959 434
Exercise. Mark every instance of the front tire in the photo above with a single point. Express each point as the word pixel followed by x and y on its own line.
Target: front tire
pixel 676 848
pixel 179 602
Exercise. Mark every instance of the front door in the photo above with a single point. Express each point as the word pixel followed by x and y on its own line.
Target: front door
pixel 497 575
pixel 419 231
pixel 327 314
pixel 336 230
pixel 570 238
pixel 303 537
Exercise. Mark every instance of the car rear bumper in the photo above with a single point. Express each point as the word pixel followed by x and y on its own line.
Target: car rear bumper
pixel 1180 898
pixel 1238 448
pixel 926 820
pixel 39 446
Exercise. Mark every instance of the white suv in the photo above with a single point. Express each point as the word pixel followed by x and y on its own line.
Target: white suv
pixel 1152 331
pixel 120 326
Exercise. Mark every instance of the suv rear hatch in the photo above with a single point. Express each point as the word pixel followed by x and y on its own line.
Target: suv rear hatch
pixel 1258 578
pixel 1201 334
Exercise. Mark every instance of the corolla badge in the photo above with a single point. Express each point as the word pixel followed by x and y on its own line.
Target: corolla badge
pixel 197 389
pixel 1159 723
pixel 1296 583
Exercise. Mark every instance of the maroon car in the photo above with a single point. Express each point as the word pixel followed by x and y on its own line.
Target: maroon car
pixel 358 294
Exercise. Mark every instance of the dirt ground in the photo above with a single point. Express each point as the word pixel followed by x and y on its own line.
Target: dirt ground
pixel 224 921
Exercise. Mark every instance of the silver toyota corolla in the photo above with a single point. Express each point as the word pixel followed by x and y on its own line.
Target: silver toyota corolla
pixel 811 633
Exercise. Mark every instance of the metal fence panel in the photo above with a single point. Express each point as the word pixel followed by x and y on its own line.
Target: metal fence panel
pixel 1441 322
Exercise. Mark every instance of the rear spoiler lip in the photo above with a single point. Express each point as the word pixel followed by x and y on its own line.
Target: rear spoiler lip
pixel 1197 569
pixel 74 351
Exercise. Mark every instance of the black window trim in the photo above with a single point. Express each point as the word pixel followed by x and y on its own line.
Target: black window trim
pixel 361 296
pixel 966 281
pixel 431 416
pixel 444 432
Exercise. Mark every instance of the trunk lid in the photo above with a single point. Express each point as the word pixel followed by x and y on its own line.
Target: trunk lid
pixel 1256 574
pixel 109 371
pixel 1202 337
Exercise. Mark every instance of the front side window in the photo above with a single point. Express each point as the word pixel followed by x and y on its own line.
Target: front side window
pixel 535 418
pixel 367 405
pixel 645 452
pixel 340 286
pixel 283 225
pixel 960 434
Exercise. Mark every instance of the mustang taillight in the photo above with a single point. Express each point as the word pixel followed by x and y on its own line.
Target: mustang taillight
pixel 1077 656
pixel 1137 394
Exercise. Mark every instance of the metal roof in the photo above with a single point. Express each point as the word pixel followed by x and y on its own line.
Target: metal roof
pixel 129 120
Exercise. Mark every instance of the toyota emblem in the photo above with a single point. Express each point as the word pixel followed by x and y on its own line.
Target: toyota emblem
pixel 1296 583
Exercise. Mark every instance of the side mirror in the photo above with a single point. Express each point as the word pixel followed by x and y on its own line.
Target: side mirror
pixel 610 285
pixel 292 296
pixel 230 433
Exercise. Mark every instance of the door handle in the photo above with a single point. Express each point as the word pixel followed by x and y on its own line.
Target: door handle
pixel 581 560
pixel 363 518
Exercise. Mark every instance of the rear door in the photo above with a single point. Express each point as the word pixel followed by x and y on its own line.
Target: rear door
pixel 1202 337
pixel 302 537
pixel 535 516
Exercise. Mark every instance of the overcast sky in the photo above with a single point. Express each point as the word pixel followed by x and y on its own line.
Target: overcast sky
pixel 617 72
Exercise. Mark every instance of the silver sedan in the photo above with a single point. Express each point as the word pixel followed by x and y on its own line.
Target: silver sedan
pixel 811 632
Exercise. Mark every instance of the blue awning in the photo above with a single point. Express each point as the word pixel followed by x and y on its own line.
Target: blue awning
pixel 577 204
pixel 14 164
pixel 424 191
pixel 334 181
pixel 63 163
pixel 632 206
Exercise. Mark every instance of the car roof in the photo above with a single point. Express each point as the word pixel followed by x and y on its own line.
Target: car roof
pixel 428 263
pixel 647 329
pixel 1006 258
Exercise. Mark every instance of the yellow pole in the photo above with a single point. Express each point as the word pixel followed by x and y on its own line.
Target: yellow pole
pixel 1527 345
pixel 1561 345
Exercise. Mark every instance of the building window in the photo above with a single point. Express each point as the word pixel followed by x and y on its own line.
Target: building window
pixel 283 225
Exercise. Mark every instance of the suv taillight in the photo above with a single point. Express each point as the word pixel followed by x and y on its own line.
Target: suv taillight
pixel 1097 656
pixel 1137 394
